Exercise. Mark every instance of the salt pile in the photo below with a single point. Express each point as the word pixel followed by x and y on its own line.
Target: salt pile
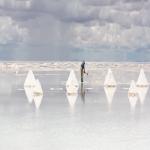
pixel 29 85
pixel 110 80
pixel 30 80
pixel 72 84
pixel 142 80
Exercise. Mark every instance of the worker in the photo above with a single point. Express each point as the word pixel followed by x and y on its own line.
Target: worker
pixel 83 71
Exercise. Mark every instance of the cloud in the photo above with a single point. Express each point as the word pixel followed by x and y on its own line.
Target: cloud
pixel 111 36
pixel 59 26
pixel 16 4
pixel 100 2
pixel 11 32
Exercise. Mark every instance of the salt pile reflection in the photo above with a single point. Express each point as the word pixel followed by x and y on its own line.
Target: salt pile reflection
pixel 110 91
pixel 72 100
pixel 37 94
pixel 142 92
pixel 133 95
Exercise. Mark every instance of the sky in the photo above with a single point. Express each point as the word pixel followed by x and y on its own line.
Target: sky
pixel 93 30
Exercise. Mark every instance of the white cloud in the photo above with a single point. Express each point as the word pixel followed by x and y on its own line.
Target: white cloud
pixel 11 32
pixel 67 24
pixel 110 35
pixel 2 2
pixel 16 4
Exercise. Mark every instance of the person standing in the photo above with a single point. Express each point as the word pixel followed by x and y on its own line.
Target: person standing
pixel 82 70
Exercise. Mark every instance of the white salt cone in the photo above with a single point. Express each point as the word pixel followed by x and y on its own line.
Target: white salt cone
pixel 109 79
pixel 142 80
pixel 29 86
pixel 72 84
pixel 30 79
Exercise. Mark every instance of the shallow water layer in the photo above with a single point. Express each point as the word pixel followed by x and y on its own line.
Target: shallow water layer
pixel 90 120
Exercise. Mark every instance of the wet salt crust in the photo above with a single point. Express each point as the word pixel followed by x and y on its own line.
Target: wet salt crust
pixel 95 118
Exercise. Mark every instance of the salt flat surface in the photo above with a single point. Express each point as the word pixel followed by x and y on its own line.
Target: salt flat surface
pixel 91 123
pixel 22 66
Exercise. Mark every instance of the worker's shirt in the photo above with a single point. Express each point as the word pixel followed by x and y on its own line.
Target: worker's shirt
pixel 83 66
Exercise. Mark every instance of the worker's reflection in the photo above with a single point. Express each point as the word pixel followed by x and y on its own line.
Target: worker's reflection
pixel 82 92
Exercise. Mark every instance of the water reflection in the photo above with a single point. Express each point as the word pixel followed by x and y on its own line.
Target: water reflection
pixel 5 85
pixel 72 100
pixel 133 95
pixel 110 91
pixel 16 68
pixel 142 92
pixel 133 101
pixel 82 92
pixel 38 100
pixel 38 94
